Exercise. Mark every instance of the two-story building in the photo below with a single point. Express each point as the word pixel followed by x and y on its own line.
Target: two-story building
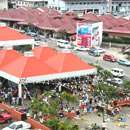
pixel 97 6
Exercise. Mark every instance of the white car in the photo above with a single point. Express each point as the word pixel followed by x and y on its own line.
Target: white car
pixel 63 44
pixel 81 48
pixel 117 72
pixel 19 125
pixel 115 81
pixel 100 50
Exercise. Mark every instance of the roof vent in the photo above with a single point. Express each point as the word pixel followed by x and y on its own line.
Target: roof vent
pixel 28 53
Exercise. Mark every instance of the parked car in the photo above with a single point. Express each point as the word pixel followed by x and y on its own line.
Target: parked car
pixel 115 81
pixel 109 57
pixel 63 44
pixel 117 72
pixel 5 117
pixel 81 48
pixel 98 49
pixel 19 125
pixel 32 34
pixel 94 52
pixel 124 62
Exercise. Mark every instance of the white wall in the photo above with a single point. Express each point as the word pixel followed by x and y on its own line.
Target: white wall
pixel 100 32
pixel 57 3
pixel 101 7
pixel 76 6
pixel 27 3
pixel 3 4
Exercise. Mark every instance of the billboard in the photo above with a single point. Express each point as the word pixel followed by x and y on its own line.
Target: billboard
pixel 89 34
pixel 83 34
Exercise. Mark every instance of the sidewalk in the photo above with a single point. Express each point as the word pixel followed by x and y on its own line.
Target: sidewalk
pixel 91 118
pixel 116 52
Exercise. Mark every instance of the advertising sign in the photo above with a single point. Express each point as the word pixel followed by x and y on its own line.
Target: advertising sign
pixel 84 35
pixel 89 35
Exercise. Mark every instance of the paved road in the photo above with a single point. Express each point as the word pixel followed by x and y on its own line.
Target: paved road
pixel 105 64
pixel 91 59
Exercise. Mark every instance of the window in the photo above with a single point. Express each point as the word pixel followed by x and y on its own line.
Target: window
pixel 19 126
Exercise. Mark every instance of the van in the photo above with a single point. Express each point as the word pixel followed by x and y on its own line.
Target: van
pixel 63 44
pixel 117 72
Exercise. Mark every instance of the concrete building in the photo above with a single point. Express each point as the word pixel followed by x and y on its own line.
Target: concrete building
pixel 3 4
pixel 121 7
pixel 98 6
pixel 31 3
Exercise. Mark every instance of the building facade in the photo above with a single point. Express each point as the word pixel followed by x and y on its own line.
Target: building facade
pixel 3 4
pixel 31 3
pixel 97 6
pixel 121 7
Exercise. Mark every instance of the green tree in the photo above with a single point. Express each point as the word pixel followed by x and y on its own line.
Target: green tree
pixel 126 85
pixel 53 123
pixel 68 97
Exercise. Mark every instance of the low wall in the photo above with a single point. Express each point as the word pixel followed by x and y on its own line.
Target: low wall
pixel 122 102
pixel 35 124
pixel 15 114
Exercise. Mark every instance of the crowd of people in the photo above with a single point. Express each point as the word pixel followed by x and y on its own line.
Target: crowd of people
pixel 82 87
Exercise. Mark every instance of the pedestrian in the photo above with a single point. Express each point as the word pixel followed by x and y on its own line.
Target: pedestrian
pixel 10 98
pixel 6 97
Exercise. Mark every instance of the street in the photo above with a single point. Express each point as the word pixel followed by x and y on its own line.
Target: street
pixel 95 60
pixel 105 64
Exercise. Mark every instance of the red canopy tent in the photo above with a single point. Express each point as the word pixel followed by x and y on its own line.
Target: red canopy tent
pixel 22 69
pixel 32 69
pixel 11 37
pixel 44 53
pixel 65 62
pixel 7 56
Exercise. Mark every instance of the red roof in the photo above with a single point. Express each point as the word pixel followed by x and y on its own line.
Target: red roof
pixel 28 67
pixel 44 53
pixel 7 56
pixel 67 62
pixel 50 19
pixel 7 33
pixel 90 17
